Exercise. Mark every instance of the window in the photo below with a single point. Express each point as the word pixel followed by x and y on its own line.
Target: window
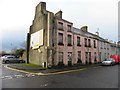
pixel 60 56
pixel 60 25
pixel 79 55
pixel 78 41
pixel 60 38
pixel 105 55
pixel 69 27
pixel 104 45
pixel 69 40
pixel 89 43
pixel 108 55
pixel 95 57
pixel 85 42
pixel 101 46
pixel 90 58
pixel 94 44
pixel 86 57
pixel 69 58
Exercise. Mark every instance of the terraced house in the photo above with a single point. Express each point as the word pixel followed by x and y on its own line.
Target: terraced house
pixel 54 41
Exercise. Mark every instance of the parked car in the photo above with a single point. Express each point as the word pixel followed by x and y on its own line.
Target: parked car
pixel 2 57
pixel 109 61
pixel 12 59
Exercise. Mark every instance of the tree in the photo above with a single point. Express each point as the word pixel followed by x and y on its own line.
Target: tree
pixel 19 52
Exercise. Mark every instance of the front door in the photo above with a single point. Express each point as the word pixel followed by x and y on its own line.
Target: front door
pixel 90 58
pixel 69 58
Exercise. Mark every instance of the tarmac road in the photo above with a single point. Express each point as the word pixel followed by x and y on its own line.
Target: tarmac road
pixel 97 77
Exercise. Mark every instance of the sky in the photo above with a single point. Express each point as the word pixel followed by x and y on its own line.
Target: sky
pixel 16 17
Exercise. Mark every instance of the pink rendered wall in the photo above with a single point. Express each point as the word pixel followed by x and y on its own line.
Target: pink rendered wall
pixel 74 48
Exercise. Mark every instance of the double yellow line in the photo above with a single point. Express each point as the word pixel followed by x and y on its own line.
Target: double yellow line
pixel 45 74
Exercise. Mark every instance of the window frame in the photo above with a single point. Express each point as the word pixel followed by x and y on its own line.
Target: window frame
pixel 85 41
pixel 78 41
pixel 60 38
pixel 69 27
pixel 61 57
pixel 69 41
pixel 60 26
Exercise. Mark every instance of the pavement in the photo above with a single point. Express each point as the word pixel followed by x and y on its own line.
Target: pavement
pixel 50 70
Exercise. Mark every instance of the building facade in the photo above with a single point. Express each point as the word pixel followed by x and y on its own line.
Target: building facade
pixel 54 41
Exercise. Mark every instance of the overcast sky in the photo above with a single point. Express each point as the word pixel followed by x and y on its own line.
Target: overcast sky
pixel 16 17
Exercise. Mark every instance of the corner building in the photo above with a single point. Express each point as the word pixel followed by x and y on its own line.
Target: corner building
pixel 54 41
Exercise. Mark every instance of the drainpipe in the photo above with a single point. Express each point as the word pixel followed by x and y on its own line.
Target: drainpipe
pixel 27 48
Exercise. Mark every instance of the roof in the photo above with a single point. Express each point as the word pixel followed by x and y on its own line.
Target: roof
pixel 64 20
pixel 80 32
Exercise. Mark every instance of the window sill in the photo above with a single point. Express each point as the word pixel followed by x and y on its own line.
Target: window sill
pixel 88 46
pixel 60 29
pixel 61 44
pixel 79 45
pixel 69 45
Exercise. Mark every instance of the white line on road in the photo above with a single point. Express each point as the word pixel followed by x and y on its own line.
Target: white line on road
pixel 7 77
pixel 17 76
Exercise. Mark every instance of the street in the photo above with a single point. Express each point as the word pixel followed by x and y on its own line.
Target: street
pixel 97 77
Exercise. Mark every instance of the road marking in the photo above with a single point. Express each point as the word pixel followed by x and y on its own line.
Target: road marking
pixel 19 76
pixel 44 85
pixel 22 71
pixel 30 75
pixel 68 71
pixel 53 73
pixel 40 73
pixel 16 76
pixel 7 77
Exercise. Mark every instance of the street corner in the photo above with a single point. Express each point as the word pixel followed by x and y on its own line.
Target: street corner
pixel 22 71
pixel 49 71
pixel 70 70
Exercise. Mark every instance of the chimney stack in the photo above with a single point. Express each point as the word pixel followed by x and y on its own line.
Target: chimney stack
pixel 97 33
pixel 84 29
pixel 59 14
pixel 41 7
